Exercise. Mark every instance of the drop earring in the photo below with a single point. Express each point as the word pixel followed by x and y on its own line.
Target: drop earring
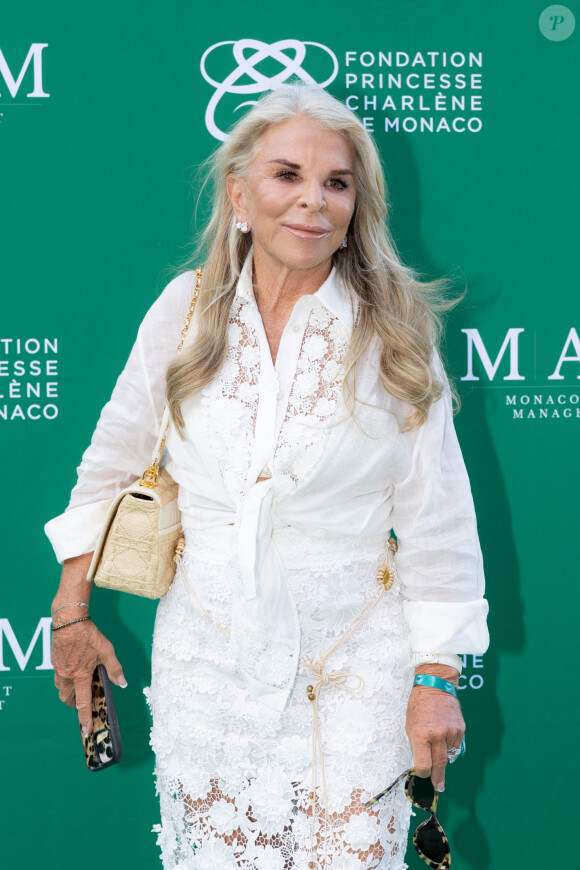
pixel 344 242
pixel 242 226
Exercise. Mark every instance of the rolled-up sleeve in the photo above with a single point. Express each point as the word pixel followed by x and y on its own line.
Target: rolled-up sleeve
pixel 127 429
pixel 439 558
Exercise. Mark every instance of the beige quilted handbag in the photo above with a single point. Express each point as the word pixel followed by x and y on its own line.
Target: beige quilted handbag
pixel 142 536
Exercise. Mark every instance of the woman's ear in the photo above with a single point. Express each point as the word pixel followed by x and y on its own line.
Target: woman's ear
pixel 234 188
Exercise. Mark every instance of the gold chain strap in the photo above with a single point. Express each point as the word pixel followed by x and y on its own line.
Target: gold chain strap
pixel 151 475
pixel 198 274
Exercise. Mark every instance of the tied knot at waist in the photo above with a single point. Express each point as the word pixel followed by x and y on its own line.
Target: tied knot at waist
pixel 336 678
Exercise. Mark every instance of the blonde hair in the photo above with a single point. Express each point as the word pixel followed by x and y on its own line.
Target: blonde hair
pixel 394 306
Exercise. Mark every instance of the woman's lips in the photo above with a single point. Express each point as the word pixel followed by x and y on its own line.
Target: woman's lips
pixel 304 231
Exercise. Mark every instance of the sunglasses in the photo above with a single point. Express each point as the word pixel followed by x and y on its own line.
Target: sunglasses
pixel 429 839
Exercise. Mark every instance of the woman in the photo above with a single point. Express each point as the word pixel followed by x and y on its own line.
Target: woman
pixel 311 415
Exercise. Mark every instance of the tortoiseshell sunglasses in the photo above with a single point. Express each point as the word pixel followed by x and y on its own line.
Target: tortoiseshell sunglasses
pixel 429 840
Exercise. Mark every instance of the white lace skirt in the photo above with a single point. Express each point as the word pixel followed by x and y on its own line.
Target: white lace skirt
pixel 235 778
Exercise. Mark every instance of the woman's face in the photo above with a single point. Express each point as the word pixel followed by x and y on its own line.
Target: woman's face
pixel 298 196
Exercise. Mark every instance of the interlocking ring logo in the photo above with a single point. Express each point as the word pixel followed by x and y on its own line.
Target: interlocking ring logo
pixel 248 53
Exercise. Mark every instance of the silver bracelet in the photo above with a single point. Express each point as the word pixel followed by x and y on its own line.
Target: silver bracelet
pixel 72 622
pixel 72 604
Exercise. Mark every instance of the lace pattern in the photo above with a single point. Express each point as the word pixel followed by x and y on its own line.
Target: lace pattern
pixel 314 398
pixel 231 404
pixel 234 776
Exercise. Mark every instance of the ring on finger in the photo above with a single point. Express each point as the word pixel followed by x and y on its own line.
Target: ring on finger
pixel 454 752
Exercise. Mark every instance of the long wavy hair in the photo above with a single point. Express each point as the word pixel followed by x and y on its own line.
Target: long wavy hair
pixel 394 306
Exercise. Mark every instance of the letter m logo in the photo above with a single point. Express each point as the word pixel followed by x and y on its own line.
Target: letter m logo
pixel 42 630
pixel 34 56
pixel 474 340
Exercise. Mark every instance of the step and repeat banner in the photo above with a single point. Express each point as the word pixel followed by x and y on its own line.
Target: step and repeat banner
pixel 106 112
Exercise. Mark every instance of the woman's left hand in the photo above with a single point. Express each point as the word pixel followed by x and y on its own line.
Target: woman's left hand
pixel 434 725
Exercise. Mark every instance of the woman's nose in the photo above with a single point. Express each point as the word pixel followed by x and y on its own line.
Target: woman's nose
pixel 312 197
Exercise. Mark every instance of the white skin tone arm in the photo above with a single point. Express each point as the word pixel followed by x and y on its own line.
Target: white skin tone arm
pixel 77 649
pixel 434 724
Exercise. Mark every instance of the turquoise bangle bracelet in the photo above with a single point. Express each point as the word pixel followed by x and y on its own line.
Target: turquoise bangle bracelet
pixel 435 683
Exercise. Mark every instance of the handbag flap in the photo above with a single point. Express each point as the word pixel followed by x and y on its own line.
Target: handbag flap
pixel 168 514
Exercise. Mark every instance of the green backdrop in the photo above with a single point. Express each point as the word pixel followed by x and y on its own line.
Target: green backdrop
pixel 103 121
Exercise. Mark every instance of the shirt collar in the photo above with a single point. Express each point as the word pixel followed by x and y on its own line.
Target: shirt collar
pixel 332 294
pixel 244 288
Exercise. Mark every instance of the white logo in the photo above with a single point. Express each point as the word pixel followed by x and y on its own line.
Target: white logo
pixel 13 84
pixel 248 53
pixel 474 340
pixel 22 658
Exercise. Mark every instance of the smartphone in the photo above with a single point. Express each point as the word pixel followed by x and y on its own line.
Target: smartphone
pixel 103 745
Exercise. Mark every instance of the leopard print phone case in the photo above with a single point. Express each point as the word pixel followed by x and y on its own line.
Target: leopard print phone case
pixel 103 745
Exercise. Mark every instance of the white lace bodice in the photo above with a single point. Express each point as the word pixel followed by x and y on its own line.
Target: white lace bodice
pixel 331 472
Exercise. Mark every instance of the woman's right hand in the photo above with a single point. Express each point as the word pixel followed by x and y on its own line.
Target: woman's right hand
pixel 78 648
pixel 76 651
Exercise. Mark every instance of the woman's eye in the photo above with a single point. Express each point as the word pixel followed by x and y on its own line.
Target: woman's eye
pixel 338 183
pixel 286 175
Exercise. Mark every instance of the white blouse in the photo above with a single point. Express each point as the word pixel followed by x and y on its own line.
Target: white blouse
pixel 333 473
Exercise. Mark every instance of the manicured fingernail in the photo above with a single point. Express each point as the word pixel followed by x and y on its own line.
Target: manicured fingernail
pixel 441 786
pixel 122 682
pixel 85 732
